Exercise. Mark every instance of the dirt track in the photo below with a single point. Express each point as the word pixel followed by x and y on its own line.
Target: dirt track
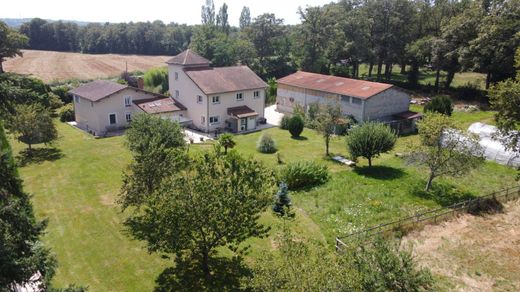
pixel 59 66
pixel 473 253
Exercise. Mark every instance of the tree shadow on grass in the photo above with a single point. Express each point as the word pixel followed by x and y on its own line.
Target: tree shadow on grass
pixel 300 138
pixel 38 155
pixel 380 172
pixel 227 274
pixel 442 193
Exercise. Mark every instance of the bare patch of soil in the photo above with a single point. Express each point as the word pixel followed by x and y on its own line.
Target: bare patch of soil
pixel 474 253
pixel 60 66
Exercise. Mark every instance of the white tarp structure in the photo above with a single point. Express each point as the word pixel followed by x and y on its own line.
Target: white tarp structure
pixel 492 147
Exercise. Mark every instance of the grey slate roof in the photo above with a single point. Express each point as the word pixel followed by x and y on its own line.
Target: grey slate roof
pixel 225 79
pixel 188 57
pixel 97 89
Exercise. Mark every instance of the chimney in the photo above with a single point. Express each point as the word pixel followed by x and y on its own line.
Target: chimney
pixel 140 83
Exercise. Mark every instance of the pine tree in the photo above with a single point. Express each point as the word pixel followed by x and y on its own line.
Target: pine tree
pixel 282 202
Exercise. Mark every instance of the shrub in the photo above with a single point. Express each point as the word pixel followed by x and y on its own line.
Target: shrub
pixel 266 144
pixel 441 104
pixel 63 92
pixel 296 125
pixel 370 140
pixel 157 79
pixel 284 123
pixel 304 174
pixel 66 113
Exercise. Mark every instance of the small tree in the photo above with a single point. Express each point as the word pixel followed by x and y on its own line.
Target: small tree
pixel 266 144
pixel 440 104
pixel 226 140
pixel 370 140
pixel 444 150
pixel 215 202
pixel 296 125
pixel 327 120
pixel 282 203
pixel 32 124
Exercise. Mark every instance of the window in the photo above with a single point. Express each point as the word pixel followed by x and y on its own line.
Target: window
pixel 199 98
pixel 91 104
pixel 214 120
pixel 176 94
pixel 176 76
pixel 256 94
pixel 215 99
pixel 76 98
pixel 202 120
pixel 240 96
pixel 356 100
pixel 128 101
pixel 112 119
pixel 345 98
pixel 128 117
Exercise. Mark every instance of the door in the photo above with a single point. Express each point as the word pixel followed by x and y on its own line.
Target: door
pixel 251 123
pixel 243 124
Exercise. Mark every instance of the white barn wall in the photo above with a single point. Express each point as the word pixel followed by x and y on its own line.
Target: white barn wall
pixel 385 104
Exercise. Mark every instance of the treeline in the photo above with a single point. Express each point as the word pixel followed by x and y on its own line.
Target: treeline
pixel 388 35
pixel 146 38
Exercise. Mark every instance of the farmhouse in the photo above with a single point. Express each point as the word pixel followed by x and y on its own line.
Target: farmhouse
pixel 103 106
pixel 202 97
pixel 231 98
pixel 363 100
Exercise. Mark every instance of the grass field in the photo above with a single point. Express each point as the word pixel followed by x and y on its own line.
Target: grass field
pixel 76 192
pixel 428 76
pixel 60 66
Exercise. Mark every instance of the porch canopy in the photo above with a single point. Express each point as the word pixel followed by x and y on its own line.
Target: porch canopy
pixel 241 112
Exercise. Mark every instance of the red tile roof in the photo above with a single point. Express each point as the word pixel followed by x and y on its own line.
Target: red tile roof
pixel 242 111
pixel 333 84
pixel 159 105
pixel 188 57
pixel 97 89
pixel 225 79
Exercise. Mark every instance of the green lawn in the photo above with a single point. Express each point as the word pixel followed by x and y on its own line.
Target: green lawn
pixel 428 76
pixel 76 192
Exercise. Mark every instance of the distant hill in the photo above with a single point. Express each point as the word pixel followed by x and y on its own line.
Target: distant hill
pixel 17 22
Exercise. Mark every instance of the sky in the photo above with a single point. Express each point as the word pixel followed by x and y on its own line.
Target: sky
pixel 187 11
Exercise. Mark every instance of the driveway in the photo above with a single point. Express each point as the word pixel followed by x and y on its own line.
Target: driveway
pixel 273 117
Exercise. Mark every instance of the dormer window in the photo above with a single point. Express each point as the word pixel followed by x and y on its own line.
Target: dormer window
pixel 240 96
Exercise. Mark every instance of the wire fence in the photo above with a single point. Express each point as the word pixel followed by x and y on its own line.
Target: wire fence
pixel 475 205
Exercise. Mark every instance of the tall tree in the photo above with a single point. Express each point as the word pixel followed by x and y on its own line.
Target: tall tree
pixel 215 202
pixel 505 99
pixel 10 43
pixel 222 19
pixel 22 255
pixel 208 13
pixel 245 18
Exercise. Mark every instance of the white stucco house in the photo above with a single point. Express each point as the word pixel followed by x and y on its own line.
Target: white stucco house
pixel 201 97
pixel 217 98
pixel 103 106
pixel 363 100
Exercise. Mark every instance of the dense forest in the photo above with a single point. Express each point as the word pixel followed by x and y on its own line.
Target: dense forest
pixel 387 35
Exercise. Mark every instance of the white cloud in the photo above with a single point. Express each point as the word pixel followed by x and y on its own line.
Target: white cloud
pixel 133 10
